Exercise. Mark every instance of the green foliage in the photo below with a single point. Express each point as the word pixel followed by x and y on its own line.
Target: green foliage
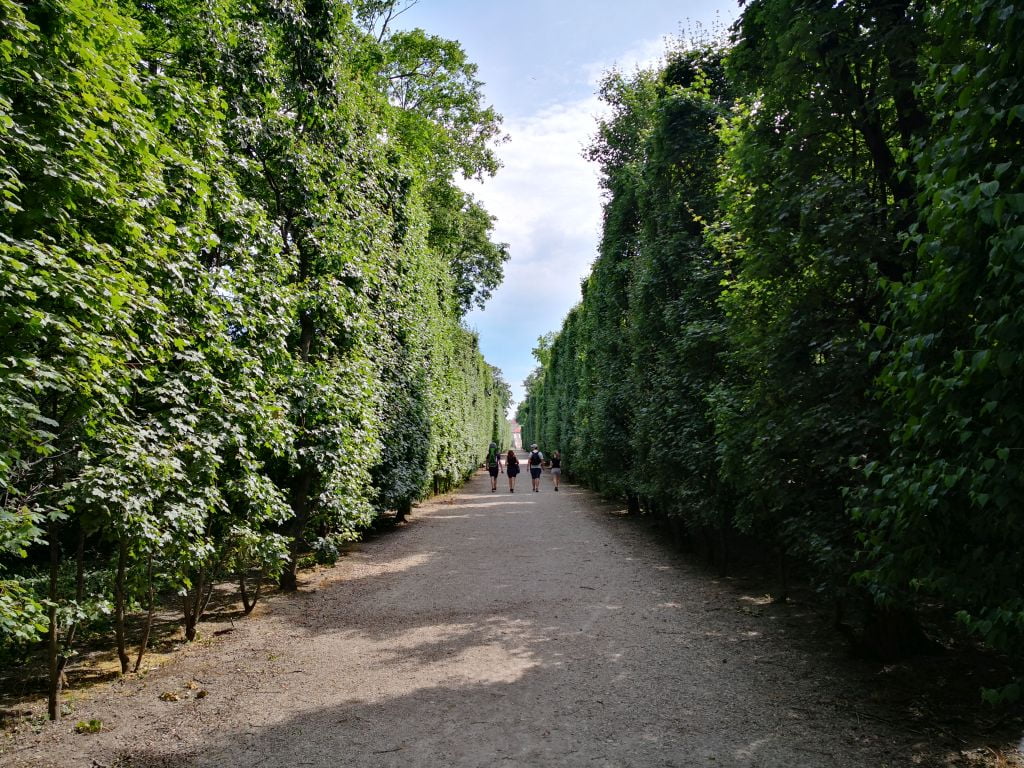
pixel 441 117
pixel 813 202
pixel 93 604
pixel 233 264
pixel 939 509
pixel 83 244
pixel 22 614
pixel 460 231
pixel 445 129
pixel 804 323
pixel 622 389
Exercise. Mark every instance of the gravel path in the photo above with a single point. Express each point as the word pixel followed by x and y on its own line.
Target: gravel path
pixel 532 629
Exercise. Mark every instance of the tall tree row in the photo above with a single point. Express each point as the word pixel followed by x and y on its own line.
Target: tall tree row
pixel 233 266
pixel 803 324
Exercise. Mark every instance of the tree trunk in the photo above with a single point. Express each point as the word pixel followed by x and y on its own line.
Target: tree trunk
pixel 247 606
pixel 723 546
pixel 289 580
pixel 119 604
pixel 783 566
pixel 80 566
pixel 300 507
pixel 302 485
pixel 404 510
pixel 902 19
pixel 149 615
pixel 681 538
pixel 69 639
pixel 891 634
pixel 52 635
pixel 209 581
pixel 633 504
pixel 193 605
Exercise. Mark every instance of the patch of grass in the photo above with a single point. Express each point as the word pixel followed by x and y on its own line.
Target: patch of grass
pixel 89 726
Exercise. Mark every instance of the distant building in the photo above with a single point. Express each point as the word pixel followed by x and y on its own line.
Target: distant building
pixel 517 435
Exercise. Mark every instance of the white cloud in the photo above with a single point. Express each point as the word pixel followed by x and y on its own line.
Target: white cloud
pixel 547 200
pixel 546 186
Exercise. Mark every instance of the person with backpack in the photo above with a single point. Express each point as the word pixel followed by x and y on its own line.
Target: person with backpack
pixel 493 465
pixel 535 461
pixel 511 469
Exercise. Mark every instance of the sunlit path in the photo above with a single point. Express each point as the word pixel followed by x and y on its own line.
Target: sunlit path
pixel 495 628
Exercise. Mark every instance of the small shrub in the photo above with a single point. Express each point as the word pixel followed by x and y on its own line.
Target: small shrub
pixel 89 726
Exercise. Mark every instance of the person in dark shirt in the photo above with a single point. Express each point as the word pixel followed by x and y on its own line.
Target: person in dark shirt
pixel 536 462
pixel 493 465
pixel 511 469
pixel 556 468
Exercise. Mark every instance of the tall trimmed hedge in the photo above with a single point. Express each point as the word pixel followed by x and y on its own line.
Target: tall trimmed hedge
pixel 233 267
pixel 803 324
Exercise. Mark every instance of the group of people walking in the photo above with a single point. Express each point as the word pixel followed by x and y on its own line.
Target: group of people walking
pixel 509 465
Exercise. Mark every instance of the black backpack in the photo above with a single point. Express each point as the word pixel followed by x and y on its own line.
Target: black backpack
pixel 535 458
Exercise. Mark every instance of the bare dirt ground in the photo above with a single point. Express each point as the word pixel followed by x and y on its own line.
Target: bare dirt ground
pixel 532 629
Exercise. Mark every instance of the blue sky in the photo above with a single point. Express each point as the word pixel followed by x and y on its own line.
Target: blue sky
pixel 540 61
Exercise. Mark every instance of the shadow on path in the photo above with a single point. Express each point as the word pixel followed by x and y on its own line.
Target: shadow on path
pixel 533 629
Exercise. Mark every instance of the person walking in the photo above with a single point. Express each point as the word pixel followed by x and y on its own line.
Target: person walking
pixel 536 460
pixel 556 468
pixel 493 465
pixel 512 469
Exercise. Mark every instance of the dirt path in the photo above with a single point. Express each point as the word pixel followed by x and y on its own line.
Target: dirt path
pixel 533 629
